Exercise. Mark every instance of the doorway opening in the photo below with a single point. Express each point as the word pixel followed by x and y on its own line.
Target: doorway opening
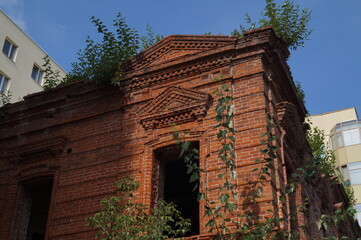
pixel 174 185
pixel 33 208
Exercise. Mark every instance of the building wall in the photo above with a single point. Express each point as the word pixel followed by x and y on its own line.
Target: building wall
pixel 19 69
pixel 85 136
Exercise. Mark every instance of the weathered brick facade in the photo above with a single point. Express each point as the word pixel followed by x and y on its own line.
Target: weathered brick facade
pixel 80 138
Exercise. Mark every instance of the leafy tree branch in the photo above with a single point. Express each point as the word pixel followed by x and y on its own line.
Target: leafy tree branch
pixel 288 19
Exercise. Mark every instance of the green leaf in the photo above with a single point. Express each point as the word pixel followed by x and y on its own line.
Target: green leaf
pixel 232 138
pixel 265 134
pixel 230 206
pixel 195 151
pixel 200 196
pixel 194 177
pixel 264 150
pixel 211 223
pixel 184 147
pixel 224 198
pixel 175 135
pixel 272 155
pixel 190 169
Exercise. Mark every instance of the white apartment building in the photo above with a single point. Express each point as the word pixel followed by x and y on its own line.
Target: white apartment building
pixel 21 60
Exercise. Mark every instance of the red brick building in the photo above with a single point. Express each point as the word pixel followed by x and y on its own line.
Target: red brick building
pixel 65 148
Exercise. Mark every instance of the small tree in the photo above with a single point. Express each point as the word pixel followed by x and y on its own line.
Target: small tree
pixel 52 78
pixel 5 98
pixel 99 60
pixel 122 217
pixel 288 20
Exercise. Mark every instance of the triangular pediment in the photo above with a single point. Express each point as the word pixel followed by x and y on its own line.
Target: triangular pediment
pixel 175 105
pixel 176 47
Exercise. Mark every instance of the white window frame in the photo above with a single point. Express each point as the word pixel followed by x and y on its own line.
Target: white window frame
pixel 4 83
pixel 11 54
pixel 351 137
pixel 38 74
pixel 358 212
pixel 354 170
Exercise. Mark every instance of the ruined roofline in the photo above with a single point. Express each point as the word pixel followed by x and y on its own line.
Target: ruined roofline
pixel 206 42
pixel 254 43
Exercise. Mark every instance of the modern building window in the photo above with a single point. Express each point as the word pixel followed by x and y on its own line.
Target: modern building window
pixel 36 74
pixel 358 214
pixel 344 171
pixel 355 173
pixel 351 137
pixel 346 134
pixel 3 83
pixel 9 49
pixel 339 140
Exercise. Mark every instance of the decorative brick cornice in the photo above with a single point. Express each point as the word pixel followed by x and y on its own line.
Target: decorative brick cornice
pixel 36 151
pixel 191 43
pixel 176 72
pixel 202 53
pixel 173 106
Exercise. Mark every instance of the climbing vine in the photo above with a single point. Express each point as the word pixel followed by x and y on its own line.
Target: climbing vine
pixel 222 219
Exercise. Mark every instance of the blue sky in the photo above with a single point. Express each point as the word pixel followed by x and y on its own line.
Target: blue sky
pixel 328 67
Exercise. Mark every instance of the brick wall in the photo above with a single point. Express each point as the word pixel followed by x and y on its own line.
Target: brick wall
pixel 86 136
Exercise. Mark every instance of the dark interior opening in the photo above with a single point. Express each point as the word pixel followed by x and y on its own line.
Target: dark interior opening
pixel 174 185
pixel 36 202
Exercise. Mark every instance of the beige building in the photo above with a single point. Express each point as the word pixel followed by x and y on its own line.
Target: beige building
pixel 21 71
pixel 342 134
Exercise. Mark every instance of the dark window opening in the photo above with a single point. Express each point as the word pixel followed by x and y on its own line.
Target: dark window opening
pixel 34 203
pixel 174 185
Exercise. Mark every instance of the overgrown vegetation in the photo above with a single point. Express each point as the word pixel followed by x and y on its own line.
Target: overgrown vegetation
pixel 288 20
pixel 223 220
pixel 51 78
pixel 102 61
pixel 300 92
pixel 99 60
pixel 324 160
pixel 122 217
pixel 5 98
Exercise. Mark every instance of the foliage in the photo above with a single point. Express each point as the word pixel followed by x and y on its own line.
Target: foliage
pixel 123 218
pixel 288 20
pixel 300 91
pixel 339 216
pixel 5 98
pixel 52 78
pixel 220 213
pixel 222 219
pixel 150 38
pixel 324 160
pixel 99 60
